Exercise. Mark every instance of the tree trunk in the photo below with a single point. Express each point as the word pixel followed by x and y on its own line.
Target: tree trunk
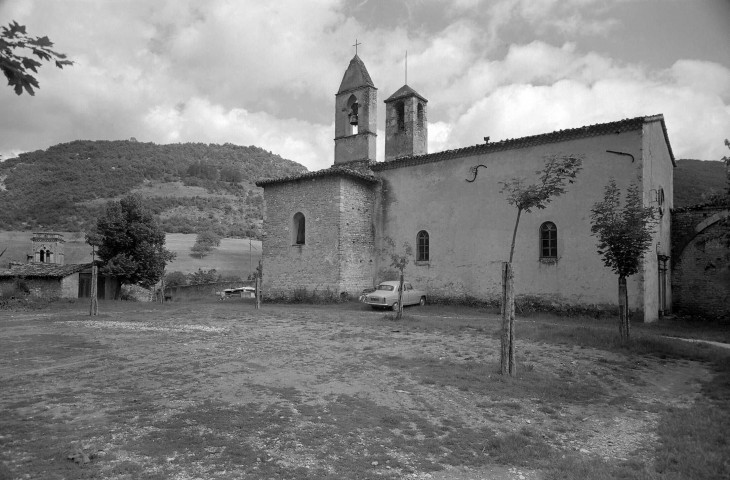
pixel 94 306
pixel 623 308
pixel 514 236
pixel 508 364
pixel 399 312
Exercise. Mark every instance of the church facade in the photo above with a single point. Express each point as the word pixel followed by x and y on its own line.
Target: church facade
pixel 329 230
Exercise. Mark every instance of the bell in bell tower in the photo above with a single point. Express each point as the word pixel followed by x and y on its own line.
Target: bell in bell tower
pixel 355 115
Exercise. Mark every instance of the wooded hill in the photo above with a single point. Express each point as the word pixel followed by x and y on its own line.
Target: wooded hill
pixel 191 186
pixel 696 181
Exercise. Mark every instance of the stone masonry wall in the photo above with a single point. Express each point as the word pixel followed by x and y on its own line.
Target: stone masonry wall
pixel 701 261
pixel 356 240
pixel 314 265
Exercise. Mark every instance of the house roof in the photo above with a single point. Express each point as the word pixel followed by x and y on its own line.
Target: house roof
pixel 43 270
pixel 598 129
pixel 358 169
pixel 404 91
pixel 355 76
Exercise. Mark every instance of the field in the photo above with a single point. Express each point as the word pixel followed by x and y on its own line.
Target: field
pixel 231 258
pixel 219 390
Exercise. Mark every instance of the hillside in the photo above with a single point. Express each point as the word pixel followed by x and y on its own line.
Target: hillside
pixel 695 181
pixel 190 186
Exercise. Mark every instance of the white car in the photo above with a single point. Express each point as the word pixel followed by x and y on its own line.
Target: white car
pixel 386 295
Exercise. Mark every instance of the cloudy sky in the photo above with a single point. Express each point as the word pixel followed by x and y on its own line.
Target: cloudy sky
pixel 264 73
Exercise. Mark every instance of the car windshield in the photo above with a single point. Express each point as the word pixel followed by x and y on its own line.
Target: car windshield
pixel 388 288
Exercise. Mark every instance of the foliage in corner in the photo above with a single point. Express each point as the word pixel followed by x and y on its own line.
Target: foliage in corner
pixel 17 67
pixel 132 244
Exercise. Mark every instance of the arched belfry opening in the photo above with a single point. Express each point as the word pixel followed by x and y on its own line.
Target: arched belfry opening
pixel 355 115
pixel 406 124
pixel 352 116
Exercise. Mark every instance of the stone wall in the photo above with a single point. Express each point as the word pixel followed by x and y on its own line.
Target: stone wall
pixel 337 253
pixel 356 236
pixel 701 261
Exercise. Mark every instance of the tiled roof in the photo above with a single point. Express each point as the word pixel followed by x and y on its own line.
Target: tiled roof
pixel 355 76
pixel 404 91
pixel 36 270
pixel 620 126
pixel 359 170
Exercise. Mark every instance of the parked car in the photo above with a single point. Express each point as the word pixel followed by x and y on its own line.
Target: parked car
pixel 386 295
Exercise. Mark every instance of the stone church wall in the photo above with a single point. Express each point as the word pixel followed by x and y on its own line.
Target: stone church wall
pixel 470 224
pixel 356 242
pixel 336 253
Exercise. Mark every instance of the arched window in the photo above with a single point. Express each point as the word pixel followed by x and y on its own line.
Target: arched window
pixel 42 255
pixel 419 115
pixel 400 114
pixel 422 246
pixel 298 233
pixel 548 240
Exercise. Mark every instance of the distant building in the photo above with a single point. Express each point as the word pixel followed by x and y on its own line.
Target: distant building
pixel 46 276
pixel 324 230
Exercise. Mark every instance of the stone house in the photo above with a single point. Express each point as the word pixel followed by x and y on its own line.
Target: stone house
pixel 326 230
pixel 45 274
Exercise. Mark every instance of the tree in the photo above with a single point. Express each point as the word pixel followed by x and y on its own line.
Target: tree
pixel 176 278
pixel 559 170
pixel 205 242
pixel 624 236
pixel 15 66
pixel 132 244
pixel 399 262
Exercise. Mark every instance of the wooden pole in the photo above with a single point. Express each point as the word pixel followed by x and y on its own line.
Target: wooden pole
pixel 94 307
pixel 507 363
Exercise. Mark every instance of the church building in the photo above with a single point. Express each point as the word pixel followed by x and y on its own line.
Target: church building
pixel 327 230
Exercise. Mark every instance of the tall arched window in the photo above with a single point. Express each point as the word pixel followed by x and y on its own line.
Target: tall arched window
pixel 298 229
pixel 419 115
pixel 400 114
pixel 548 240
pixel 422 246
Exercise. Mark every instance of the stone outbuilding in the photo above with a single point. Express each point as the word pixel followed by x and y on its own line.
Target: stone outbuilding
pixel 45 275
pixel 329 230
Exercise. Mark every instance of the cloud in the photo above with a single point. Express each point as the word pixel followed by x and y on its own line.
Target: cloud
pixel 202 121
pixel 265 73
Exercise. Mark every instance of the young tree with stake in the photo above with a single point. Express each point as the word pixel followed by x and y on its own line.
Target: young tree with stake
pixel 624 236
pixel 558 172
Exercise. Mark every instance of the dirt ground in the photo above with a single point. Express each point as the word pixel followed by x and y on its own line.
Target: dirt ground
pixel 220 390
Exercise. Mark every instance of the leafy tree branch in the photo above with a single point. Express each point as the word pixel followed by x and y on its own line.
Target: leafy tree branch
pixel 14 41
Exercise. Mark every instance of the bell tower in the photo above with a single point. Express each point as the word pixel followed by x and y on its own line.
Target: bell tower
pixel 48 247
pixel 406 124
pixel 355 115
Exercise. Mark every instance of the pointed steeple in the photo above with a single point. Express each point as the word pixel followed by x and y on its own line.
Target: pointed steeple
pixel 356 76
pixel 355 115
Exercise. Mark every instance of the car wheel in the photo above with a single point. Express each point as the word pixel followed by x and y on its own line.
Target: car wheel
pixel 422 302
pixel 395 306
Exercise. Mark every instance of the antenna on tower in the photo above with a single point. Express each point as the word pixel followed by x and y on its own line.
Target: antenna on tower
pixel 406 67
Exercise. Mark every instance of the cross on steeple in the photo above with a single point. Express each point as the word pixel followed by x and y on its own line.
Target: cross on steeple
pixel 355 45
